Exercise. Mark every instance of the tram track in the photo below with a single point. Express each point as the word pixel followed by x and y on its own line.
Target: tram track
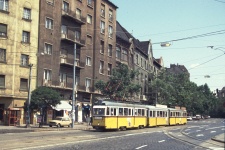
pixel 185 138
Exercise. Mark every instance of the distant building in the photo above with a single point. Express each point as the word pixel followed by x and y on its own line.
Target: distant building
pixel 177 69
pixel 221 93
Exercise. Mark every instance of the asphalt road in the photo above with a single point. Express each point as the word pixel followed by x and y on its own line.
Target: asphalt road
pixel 195 135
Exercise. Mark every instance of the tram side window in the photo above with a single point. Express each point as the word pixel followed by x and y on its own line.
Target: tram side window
pixel 113 111
pixel 120 111
pixel 151 115
pixel 143 112
pixel 107 111
pixel 125 111
pixel 129 112
pixel 171 114
pixel 154 114
pixel 139 112
pixel 99 111
pixel 165 114
pixel 135 112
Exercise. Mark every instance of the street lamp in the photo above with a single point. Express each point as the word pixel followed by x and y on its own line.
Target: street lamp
pixel 74 91
pixel 29 96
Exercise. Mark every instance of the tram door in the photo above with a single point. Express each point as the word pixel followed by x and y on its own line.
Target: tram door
pixel 1 113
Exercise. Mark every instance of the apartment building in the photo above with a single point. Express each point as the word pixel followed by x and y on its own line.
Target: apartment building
pixel 86 27
pixel 18 56
pixel 137 55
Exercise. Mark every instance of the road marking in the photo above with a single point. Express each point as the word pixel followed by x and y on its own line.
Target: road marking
pixel 141 146
pixel 200 135
pixel 187 129
pixel 180 135
pixel 161 141
pixel 223 129
pixel 198 130
pixel 212 131
pixel 215 128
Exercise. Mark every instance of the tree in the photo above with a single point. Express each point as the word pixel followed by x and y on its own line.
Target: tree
pixel 42 97
pixel 120 83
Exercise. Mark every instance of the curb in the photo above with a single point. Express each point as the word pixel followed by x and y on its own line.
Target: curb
pixel 217 140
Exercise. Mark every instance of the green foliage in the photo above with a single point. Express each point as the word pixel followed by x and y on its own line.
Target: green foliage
pixel 44 96
pixel 178 90
pixel 120 83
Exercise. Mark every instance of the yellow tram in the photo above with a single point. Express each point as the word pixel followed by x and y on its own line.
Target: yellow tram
pixel 114 115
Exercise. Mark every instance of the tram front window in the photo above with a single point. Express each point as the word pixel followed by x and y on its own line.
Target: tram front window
pixel 99 111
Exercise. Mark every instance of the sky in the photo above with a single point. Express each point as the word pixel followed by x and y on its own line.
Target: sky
pixel 190 26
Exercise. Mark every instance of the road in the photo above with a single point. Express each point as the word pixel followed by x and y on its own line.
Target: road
pixel 195 135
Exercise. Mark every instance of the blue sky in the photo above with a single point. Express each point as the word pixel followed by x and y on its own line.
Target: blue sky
pixel 166 20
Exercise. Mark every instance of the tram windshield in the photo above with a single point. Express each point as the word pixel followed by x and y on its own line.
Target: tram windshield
pixel 99 111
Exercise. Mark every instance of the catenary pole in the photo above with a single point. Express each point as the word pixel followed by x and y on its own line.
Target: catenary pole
pixel 74 86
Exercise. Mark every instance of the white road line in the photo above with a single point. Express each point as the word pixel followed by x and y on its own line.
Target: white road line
pixel 180 135
pixel 198 130
pixel 200 135
pixel 187 129
pixel 215 128
pixel 212 131
pixel 161 141
pixel 141 146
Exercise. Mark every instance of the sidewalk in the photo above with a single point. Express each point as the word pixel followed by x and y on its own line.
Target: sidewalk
pixel 35 128
pixel 219 138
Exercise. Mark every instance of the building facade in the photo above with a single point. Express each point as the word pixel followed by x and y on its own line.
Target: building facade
pixel 18 57
pixel 81 29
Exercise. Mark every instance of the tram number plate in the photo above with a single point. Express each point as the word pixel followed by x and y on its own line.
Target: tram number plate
pixel 98 118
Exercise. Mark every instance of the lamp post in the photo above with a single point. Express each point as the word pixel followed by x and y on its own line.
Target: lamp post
pixel 29 96
pixel 74 91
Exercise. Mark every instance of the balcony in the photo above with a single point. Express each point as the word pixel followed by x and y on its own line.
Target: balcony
pixel 68 61
pixel 47 82
pixel 73 16
pixel 70 38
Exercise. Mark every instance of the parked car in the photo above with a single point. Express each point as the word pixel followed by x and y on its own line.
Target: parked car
pixel 60 122
pixel 197 117
pixel 189 118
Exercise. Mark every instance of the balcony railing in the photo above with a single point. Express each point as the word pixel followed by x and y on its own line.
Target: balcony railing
pixel 69 61
pixel 72 15
pixel 70 37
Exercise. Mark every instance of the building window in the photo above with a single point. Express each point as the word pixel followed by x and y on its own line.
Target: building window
pixel 26 37
pixel 48 49
pixel 65 6
pixel 87 82
pixel 89 19
pixel 102 47
pixel 88 61
pixel 50 2
pixel 2 81
pixel 27 13
pixel 23 84
pixel 78 13
pixel 47 75
pixel 110 31
pixel 137 59
pixel 102 10
pixel 101 70
pixel 77 36
pixel 109 69
pixel 2 55
pixel 89 2
pixel 141 62
pixel 64 29
pixel 3 30
pixel 102 26
pixel 110 15
pixel 24 60
pixel 146 66
pixel 48 23
pixel 118 52
pixel 124 55
pixel 110 50
pixel 89 39
pixel 4 5
pixel 132 58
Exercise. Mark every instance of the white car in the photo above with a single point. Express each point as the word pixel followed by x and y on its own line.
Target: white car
pixel 60 122
pixel 189 118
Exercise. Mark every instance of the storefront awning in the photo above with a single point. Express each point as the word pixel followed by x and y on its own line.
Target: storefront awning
pixel 63 106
